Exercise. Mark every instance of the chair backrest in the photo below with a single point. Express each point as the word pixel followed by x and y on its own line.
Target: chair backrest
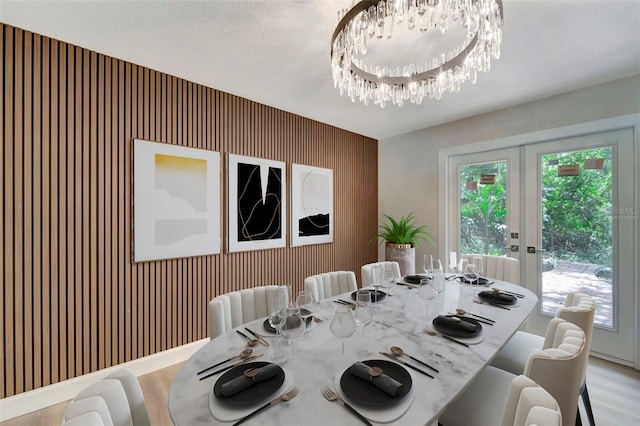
pixel 230 310
pixel 529 404
pixel 498 267
pixel 330 284
pixel 366 273
pixel 559 368
pixel 106 398
pixel 135 397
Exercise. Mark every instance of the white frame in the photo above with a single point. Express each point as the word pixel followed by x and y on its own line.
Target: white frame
pixel 322 201
pixel 234 244
pixel 151 205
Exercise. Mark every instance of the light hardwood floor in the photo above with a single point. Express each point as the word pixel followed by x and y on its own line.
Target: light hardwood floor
pixel 614 392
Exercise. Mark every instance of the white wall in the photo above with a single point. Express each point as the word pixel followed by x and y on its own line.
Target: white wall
pixel 408 164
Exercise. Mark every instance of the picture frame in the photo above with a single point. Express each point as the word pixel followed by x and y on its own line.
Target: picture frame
pixel 311 205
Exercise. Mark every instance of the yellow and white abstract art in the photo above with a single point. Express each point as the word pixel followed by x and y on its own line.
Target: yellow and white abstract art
pixel 176 205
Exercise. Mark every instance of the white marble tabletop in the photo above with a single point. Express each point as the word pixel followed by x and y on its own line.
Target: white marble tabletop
pixel 317 358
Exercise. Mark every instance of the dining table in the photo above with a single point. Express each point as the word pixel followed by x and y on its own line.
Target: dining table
pixel 401 319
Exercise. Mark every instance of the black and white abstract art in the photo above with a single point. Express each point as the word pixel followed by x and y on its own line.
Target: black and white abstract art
pixel 257 199
pixel 311 205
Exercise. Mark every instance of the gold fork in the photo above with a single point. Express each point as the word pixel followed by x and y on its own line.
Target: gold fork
pixel 331 395
pixel 287 396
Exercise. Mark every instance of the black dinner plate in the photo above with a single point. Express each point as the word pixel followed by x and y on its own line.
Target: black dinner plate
pixel 376 295
pixel 363 392
pixel 452 330
pixel 499 298
pixel 270 329
pixel 414 279
pixel 479 281
pixel 252 394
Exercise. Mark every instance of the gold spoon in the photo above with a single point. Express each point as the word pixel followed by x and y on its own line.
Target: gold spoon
pixel 396 350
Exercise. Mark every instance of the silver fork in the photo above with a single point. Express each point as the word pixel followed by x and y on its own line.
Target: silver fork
pixel 287 396
pixel 331 395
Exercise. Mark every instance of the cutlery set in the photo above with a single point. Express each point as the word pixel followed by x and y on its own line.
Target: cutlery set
pixel 243 361
pixel 287 396
pixel 344 302
pixel 413 367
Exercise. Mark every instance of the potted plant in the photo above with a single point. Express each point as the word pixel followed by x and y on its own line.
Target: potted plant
pixel 401 237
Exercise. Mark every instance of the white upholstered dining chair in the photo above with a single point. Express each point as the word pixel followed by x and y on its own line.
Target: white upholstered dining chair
pixel 330 284
pixel 366 273
pixel 579 309
pixel 512 401
pixel 498 267
pixel 116 400
pixel 230 310
pixel 557 369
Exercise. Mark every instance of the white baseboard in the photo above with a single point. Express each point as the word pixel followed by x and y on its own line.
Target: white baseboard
pixel 37 399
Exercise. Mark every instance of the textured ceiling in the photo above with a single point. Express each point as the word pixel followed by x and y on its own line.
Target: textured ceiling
pixel 277 52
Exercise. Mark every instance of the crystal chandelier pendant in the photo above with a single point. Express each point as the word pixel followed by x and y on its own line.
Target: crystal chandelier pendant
pixel 371 22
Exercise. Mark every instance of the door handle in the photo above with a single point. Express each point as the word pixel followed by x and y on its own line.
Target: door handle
pixel 514 248
pixel 533 250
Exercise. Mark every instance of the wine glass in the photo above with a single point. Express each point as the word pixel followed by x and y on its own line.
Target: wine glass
pixel 388 280
pixel 364 315
pixel 470 273
pixel 453 262
pixel 306 303
pixel 343 325
pixel 427 264
pixel 376 277
pixel 477 260
pixel 437 279
pixel 428 293
pixel 276 315
pixel 293 326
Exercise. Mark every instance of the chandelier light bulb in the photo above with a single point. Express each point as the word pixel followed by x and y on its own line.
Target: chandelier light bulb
pixel 373 21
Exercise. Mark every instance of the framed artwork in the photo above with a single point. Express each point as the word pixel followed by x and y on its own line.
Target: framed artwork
pixel 176 201
pixel 257 200
pixel 311 205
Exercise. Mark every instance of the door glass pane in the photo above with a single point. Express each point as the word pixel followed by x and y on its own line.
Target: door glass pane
pixel 483 208
pixel 577 229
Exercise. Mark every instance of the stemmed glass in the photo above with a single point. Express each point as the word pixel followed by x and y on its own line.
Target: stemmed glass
pixel 437 281
pixel 293 326
pixel 477 260
pixel 428 293
pixel 364 315
pixel 376 277
pixel 343 325
pixel 388 280
pixel 306 303
pixel 276 314
pixel 453 262
pixel 427 265
pixel 470 272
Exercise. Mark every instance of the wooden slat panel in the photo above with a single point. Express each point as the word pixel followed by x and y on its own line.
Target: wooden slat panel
pixel 74 301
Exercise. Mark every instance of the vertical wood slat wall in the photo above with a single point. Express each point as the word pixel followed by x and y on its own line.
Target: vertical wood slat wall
pixel 72 301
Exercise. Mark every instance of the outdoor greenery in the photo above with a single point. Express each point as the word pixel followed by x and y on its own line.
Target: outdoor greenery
pixel 403 231
pixel 576 210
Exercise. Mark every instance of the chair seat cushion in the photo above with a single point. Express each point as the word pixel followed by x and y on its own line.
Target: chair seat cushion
pixel 513 356
pixel 482 403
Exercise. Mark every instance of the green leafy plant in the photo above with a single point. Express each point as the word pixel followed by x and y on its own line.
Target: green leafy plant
pixel 403 231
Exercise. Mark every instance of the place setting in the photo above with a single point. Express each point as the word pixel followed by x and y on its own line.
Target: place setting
pixel 458 328
pixel 498 298
pixel 374 390
pixel 245 390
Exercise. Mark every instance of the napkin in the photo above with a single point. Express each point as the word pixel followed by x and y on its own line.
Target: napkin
pixel 241 383
pixel 414 279
pixel 498 297
pixel 383 382
pixel 446 321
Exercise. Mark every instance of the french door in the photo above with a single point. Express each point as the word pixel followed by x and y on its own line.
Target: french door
pixel 565 209
pixel 579 232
